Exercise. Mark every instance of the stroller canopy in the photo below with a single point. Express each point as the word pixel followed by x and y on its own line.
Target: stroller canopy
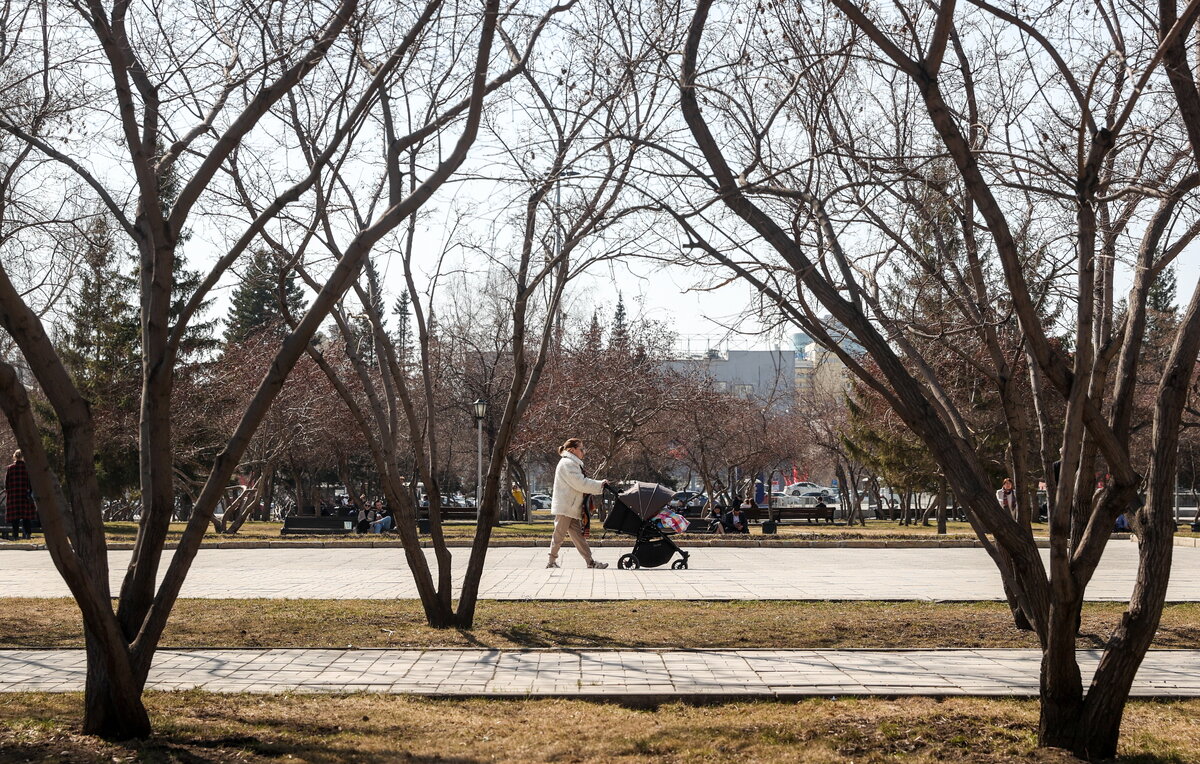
pixel 647 499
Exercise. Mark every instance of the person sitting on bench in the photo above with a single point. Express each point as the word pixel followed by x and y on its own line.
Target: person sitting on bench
pixel 713 516
pixel 736 521
pixel 383 519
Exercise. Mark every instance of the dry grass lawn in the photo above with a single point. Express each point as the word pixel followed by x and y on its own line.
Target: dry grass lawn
pixel 645 624
pixel 200 727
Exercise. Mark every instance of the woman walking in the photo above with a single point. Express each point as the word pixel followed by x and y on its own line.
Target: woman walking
pixel 571 490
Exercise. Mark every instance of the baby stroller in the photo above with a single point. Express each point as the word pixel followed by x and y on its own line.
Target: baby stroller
pixel 633 514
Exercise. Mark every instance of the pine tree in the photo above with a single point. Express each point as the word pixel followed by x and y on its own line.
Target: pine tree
pixel 593 340
pixel 200 339
pixel 1161 311
pixel 101 350
pixel 256 299
pixel 404 338
pixel 619 338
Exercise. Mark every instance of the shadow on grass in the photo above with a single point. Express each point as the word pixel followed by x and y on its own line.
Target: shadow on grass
pixel 304 742
pixel 527 637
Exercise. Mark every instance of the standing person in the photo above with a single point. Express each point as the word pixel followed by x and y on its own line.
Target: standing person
pixel 518 497
pixel 571 489
pixel 1007 497
pixel 19 492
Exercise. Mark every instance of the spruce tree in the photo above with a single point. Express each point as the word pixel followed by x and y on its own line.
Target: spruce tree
pixel 619 337
pixel 100 347
pixel 404 337
pixel 256 300
pixel 594 337
pixel 1161 309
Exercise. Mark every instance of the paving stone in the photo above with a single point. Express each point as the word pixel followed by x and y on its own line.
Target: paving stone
pixel 518 573
pixel 629 673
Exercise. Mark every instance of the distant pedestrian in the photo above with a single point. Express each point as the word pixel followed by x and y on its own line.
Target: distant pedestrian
pixel 19 507
pixel 518 497
pixel 1007 497
pixel 572 488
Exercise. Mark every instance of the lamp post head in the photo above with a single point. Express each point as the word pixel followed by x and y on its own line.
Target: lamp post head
pixel 481 408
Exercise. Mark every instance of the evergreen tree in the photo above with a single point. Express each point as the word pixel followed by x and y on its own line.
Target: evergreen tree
pixel 404 338
pixel 619 338
pixel 101 349
pixel 1161 312
pixel 200 339
pixel 256 300
pixel 594 338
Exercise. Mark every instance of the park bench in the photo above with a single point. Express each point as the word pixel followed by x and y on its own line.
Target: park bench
pixel 782 514
pixel 452 514
pixel 313 526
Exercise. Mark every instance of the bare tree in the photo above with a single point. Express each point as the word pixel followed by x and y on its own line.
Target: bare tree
pixel 190 103
pixel 1100 177
pixel 396 399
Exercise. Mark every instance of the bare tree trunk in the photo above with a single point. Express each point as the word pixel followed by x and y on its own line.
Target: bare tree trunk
pixel 268 501
pixel 850 497
pixel 941 508
pixel 109 712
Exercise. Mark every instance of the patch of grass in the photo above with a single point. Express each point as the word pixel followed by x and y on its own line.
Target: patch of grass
pixel 197 726
pixel 643 624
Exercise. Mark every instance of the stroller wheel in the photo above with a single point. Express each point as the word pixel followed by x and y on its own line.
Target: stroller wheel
pixel 628 562
pixel 679 565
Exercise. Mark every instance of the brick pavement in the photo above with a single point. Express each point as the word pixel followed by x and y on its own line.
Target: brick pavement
pixel 642 674
pixel 515 573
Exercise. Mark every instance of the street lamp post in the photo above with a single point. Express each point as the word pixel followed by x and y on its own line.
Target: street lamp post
pixel 481 407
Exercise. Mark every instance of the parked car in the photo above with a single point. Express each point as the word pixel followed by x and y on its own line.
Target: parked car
pixel 797 489
pixel 539 501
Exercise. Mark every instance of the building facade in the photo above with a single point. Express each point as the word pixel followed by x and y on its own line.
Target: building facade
pixel 765 375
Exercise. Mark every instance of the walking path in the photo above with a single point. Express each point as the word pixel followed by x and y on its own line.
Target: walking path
pixel 640 674
pixel 520 574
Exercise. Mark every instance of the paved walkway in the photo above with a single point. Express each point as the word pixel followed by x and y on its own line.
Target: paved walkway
pixel 520 574
pixel 660 674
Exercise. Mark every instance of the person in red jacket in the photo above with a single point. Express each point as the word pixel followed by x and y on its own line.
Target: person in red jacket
pixel 19 507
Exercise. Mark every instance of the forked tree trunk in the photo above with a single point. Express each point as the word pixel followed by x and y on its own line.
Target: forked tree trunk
pixel 107 712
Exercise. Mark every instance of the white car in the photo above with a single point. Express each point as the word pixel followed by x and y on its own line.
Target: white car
pixel 796 489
